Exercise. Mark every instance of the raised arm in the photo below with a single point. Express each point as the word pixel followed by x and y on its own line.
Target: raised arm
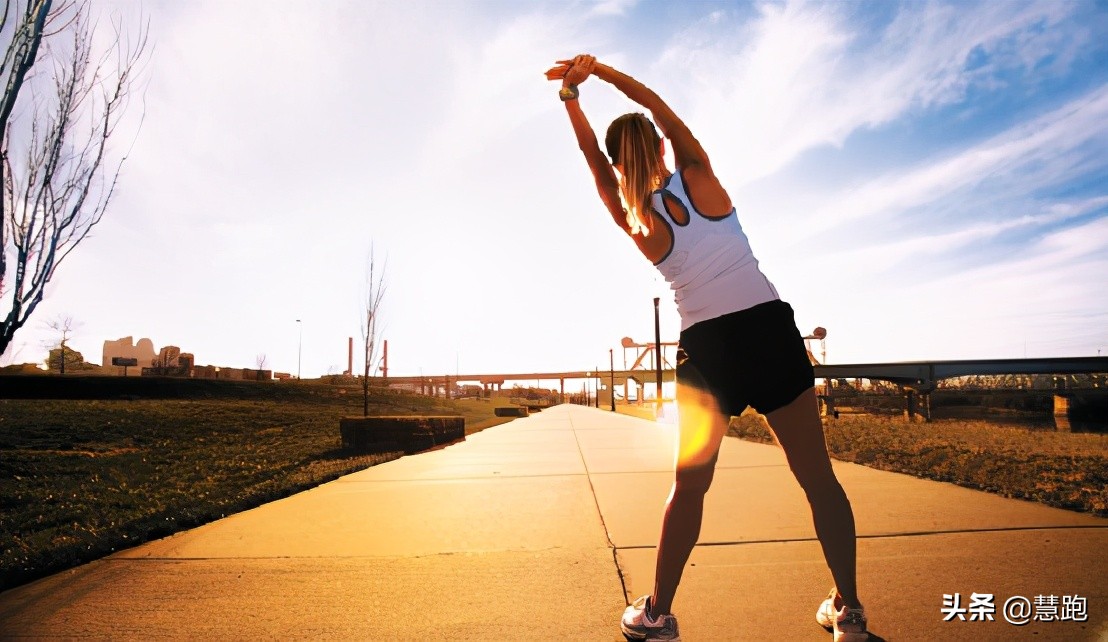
pixel 607 185
pixel 686 149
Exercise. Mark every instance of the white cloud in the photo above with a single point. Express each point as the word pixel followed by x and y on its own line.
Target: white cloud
pixel 1040 298
pixel 1031 155
pixel 612 7
pixel 924 245
pixel 803 76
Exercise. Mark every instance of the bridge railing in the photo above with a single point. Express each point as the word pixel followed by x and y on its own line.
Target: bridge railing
pixel 919 379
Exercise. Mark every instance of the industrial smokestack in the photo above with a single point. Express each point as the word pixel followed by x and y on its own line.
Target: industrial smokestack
pixel 385 366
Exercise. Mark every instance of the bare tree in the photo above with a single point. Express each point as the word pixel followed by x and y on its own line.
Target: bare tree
pixel 375 293
pixel 61 358
pixel 59 354
pixel 58 358
pixel 55 173
pixel 261 360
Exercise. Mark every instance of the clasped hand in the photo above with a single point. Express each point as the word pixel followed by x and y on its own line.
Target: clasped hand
pixel 572 72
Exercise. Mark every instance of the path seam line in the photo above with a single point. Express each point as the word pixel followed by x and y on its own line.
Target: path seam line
pixel 596 502
pixel 959 531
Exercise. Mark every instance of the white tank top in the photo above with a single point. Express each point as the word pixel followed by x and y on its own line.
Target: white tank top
pixel 710 266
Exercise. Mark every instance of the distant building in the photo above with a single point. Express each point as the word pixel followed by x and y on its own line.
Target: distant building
pixel 168 362
pixel 126 348
pixel 168 357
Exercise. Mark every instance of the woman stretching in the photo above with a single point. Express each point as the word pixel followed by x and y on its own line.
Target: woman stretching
pixel 739 344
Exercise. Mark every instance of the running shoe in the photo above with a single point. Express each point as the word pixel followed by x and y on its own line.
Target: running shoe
pixel 825 615
pixel 847 625
pixel 638 624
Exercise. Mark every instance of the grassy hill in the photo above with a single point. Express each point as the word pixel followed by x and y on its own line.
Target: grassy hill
pixel 80 478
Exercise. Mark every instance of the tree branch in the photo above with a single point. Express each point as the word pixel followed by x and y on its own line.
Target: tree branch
pixel 51 202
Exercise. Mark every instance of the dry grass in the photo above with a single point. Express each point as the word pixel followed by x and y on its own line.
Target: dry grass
pixel 1067 470
pixel 80 479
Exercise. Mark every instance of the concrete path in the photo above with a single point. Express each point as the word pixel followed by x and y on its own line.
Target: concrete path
pixel 544 528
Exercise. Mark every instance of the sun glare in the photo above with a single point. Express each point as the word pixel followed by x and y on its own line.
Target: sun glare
pixel 701 427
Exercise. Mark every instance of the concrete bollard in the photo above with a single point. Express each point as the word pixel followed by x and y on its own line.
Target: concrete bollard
pixel 1062 413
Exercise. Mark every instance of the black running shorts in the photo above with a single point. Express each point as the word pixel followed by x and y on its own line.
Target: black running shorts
pixel 754 357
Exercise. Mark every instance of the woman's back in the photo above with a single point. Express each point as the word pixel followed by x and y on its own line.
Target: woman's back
pixel 708 262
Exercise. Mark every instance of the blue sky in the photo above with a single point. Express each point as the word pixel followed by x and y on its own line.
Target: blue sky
pixel 925 180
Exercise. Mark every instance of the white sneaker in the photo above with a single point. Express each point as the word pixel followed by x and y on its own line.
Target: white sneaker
pixel 846 624
pixel 638 624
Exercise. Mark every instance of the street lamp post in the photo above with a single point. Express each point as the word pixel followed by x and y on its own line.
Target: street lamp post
pixel 299 347
pixel 658 360
pixel 598 388
pixel 612 380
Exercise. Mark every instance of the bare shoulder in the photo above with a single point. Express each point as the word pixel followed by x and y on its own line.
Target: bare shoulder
pixel 705 191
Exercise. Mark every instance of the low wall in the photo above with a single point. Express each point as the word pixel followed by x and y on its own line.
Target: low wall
pixel 109 387
pixel 408 433
pixel 510 411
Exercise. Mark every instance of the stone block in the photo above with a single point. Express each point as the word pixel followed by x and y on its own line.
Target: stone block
pixel 408 433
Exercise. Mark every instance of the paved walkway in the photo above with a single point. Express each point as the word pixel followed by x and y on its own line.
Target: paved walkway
pixel 544 527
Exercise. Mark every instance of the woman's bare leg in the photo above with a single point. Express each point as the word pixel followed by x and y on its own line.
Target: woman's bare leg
pixel 799 430
pixel 701 427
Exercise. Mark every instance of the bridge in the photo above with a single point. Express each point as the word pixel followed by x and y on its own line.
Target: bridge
pixel 495 381
pixel 918 378
pixel 921 376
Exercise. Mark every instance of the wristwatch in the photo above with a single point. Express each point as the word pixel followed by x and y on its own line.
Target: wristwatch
pixel 568 93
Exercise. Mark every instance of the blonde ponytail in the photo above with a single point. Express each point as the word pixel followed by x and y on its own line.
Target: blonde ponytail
pixel 632 143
